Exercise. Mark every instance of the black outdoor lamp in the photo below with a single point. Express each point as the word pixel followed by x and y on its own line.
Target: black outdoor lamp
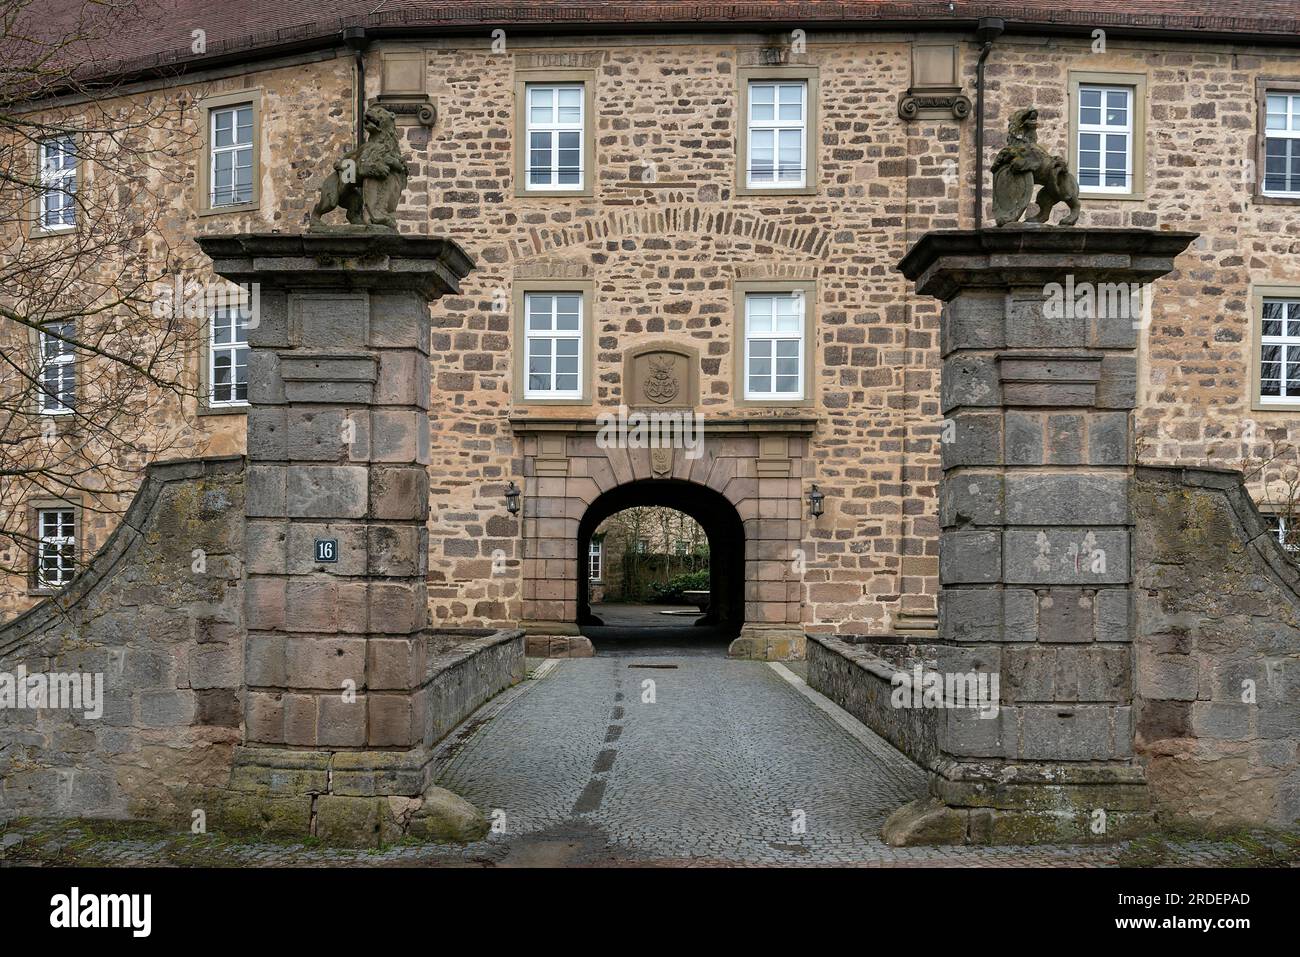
pixel 512 498
pixel 816 501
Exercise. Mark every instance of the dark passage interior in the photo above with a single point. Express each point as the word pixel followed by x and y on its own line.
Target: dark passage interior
pixel 640 627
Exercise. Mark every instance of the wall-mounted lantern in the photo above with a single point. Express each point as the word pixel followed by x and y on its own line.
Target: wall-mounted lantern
pixel 512 498
pixel 816 501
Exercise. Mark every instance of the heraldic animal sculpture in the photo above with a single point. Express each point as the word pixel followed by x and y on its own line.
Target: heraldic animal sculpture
pixel 1022 163
pixel 367 182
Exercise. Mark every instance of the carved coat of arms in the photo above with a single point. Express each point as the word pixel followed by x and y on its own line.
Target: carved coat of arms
pixel 661 385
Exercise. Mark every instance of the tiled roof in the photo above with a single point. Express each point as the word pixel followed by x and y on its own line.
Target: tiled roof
pixel 160 33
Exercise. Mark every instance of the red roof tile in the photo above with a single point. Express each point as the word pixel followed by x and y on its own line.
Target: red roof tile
pixel 150 34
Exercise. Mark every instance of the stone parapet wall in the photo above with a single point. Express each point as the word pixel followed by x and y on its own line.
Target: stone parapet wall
pixel 159 613
pixel 1217 650
pixel 860 679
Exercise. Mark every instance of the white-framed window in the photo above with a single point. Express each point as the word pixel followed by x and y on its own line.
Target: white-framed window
pixel 774 344
pixel 58 163
pixel 1279 351
pixel 230 175
pixel 228 357
pixel 58 374
pixel 777 135
pixel 56 554
pixel 1105 127
pixel 555 131
pixel 1282 144
pixel 553 345
pixel 595 554
pixel 1284 531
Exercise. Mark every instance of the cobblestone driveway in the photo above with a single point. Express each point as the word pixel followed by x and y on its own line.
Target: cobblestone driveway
pixel 674 757
pixel 733 763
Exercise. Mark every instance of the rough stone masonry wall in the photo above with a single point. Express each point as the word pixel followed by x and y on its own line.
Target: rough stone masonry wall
pixel 672 100
pixel 662 257
pixel 159 612
pixel 1194 404
pixel 1218 651
pixel 299 106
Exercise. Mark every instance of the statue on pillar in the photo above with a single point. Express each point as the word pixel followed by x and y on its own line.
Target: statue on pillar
pixel 368 181
pixel 1022 163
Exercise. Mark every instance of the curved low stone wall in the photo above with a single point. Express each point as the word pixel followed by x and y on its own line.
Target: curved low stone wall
pixel 1217 651
pixel 1216 654
pixel 158 613
pixel 156 623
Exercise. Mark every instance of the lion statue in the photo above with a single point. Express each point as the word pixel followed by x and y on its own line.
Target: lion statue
pixel 1022 163
pixel 368 181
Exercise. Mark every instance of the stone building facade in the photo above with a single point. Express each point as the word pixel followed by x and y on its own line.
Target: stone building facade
pixel 665 240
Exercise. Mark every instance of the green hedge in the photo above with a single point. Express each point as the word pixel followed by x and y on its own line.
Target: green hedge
pixel 670 592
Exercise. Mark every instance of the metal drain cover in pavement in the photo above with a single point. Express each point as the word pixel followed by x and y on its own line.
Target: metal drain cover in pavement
pixel 666 667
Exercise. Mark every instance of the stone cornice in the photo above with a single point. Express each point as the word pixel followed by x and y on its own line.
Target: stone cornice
pixel 714 425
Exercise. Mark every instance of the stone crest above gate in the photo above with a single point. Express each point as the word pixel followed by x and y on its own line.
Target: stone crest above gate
pixel 662 375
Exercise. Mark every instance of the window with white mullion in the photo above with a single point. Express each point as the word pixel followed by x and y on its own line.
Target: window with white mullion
pixel 1283 529
pixel 58 169
pixel 594 556
pixel 228 357
pixel 58 372
pixel 1282 144
pixel 231 172
pixel 553 345
pixel 777 135
pixel 774 344
pixel 555 133
pixel 1279 351
pixel 1105 127
pixel 57 548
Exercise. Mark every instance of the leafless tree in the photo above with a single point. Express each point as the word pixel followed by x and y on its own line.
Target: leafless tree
pixel 92 363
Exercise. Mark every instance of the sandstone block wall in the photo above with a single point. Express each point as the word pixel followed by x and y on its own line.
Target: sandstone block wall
pixel 159 613
pixel 662 254
pixel 1217 651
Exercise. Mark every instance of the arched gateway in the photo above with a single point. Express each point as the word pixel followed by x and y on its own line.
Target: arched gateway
pixel 742 482
pixel 721 523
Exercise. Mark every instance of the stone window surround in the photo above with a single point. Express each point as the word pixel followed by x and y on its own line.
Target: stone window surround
pixel 1258 293
pixel 812 117
pixel 1138 83
pixel 1263 86
pixel 519 295
pixel 203 200
pixel 740 289
pixel 34 508
pixel 37 229
pixel 540 76
pixel 205 381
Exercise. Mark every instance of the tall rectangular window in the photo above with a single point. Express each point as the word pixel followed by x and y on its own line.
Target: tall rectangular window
pixel 228 357
pixel 231 163
pixel 58 162
pixel 58 373
pixel 555 133
pixel 1279 351
pixel 594 556
pixel 1105 137
pixel 553 345
pixel 56 552
pixel 774 344
pixel 1282 144
pixel 777 134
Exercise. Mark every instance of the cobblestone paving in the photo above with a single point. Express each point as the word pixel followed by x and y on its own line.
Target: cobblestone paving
pixel 730 764
pixel 727 762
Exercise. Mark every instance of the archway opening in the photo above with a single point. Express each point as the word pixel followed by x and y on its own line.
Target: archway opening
pixel 700 530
